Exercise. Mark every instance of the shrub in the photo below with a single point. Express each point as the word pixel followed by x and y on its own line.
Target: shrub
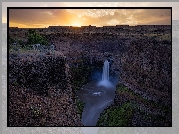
pixel 80 106
pixel 35 38
pixel 116 116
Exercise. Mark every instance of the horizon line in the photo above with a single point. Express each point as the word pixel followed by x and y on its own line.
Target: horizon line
pixel 56 26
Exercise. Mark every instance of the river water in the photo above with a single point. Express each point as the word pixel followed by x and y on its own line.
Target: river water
pixel 96 99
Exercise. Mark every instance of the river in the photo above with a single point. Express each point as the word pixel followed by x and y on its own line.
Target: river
pixel 96 99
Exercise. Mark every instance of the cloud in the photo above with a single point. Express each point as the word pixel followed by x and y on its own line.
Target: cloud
pixel 36 16
pixel 174 5
pixel 132 17
pixel 113 22
pixel 98 17
pixel 153 16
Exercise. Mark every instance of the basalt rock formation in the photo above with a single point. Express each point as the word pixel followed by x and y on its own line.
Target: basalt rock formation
pixel 40 92
pixel 146 69
pixel 146 82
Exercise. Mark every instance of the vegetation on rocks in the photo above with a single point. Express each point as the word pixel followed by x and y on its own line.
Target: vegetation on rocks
pixel 80 106
pixel 116 116
pixel 80 75
pixel 35 38
pixel 26 44
pixel 144 112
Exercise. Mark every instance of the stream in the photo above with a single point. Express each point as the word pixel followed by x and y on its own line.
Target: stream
pixel 96 98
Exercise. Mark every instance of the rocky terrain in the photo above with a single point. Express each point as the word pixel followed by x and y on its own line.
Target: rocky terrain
pixel 147 69
pixel 40 91
pixel 141 61
pixel 145 86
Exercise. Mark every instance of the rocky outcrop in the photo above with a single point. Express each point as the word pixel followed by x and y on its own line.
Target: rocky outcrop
pixel 146 69
pixel 145 81
pixel 40 92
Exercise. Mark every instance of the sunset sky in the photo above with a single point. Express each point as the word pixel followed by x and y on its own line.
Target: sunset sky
pixel 84 17
pixel 36 18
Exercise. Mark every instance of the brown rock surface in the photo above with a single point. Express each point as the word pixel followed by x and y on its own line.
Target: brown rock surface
pixel 40 92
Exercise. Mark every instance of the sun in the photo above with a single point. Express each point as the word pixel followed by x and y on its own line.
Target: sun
pixel 76 23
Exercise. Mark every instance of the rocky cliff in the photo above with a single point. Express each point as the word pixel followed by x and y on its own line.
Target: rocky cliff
pixel 146 69
pixel 40 92
pixel 146 82
pixel 143 94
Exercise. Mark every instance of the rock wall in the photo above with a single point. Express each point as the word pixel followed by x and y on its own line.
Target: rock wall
pixel 146 69
pixel 40 92
pixel 145 81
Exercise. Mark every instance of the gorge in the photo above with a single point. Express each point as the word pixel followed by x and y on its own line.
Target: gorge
pixel 126 76
pixel 96 96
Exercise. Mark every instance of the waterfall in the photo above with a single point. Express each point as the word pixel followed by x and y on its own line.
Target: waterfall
pixel 105 75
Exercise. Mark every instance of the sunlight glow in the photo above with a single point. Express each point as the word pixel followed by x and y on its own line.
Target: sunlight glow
pixel 75 23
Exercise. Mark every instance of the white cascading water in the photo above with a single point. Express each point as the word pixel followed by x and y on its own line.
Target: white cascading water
pixel 105 76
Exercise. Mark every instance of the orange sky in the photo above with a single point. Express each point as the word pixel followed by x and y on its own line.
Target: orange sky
pixel 36 18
